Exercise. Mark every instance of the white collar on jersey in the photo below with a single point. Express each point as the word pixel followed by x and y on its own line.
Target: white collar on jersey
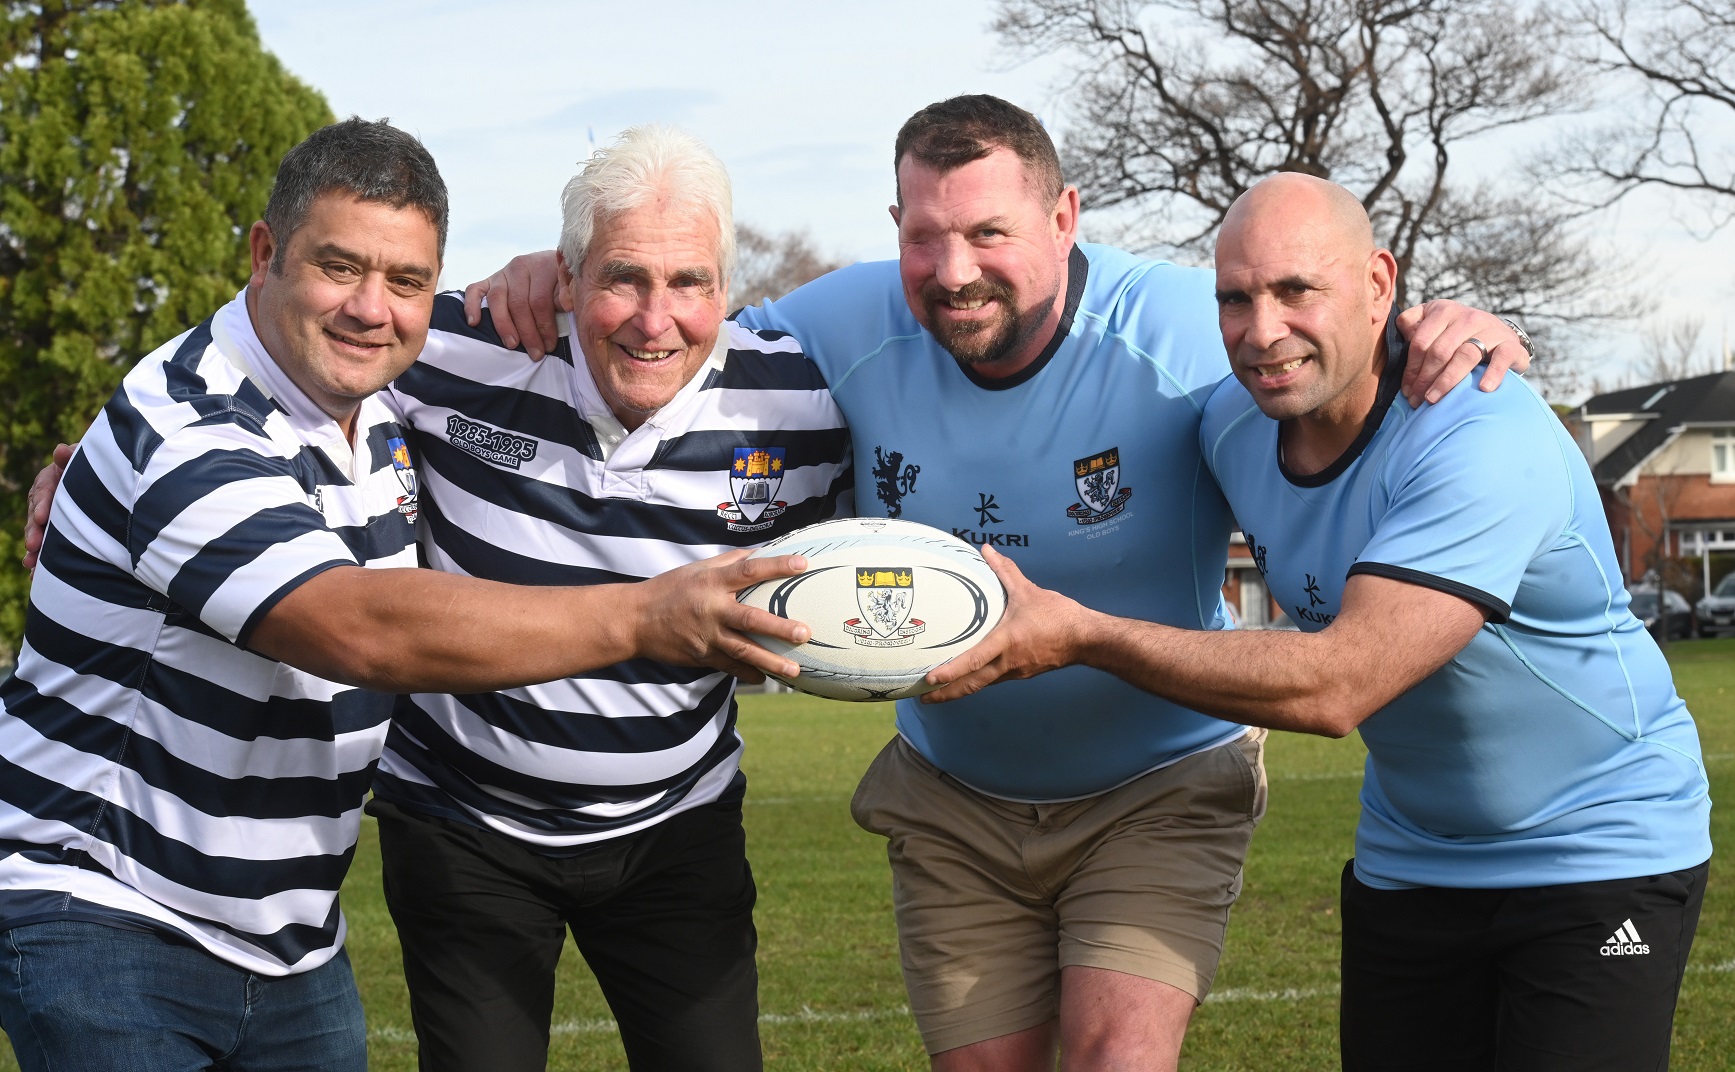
pixel 610 432
pixel 232 330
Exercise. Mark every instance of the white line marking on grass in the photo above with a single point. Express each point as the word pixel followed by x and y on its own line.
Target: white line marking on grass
pixel 1718 757
pixel 829 798
pixel 1236 993
pixel 1317 776
pixel 807 1015
pixel 814 1016
pixel 391 1034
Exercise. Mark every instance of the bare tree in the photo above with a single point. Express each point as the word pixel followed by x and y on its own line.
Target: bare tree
pixel 1671 66
pixel 1178 106
pixel 768 266
pixel 1671 350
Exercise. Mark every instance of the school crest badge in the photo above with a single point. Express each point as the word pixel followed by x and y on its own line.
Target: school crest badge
pixel 755 475
pixel 1100 495
pixel 885 596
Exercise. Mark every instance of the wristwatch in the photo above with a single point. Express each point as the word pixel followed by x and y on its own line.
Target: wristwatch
pixel 1523 336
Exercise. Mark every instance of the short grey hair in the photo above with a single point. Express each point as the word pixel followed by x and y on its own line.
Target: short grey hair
pixel 643 163
pixel 370 161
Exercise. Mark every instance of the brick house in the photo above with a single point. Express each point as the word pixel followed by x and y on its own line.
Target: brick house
pixel 1244 588
pixel 1664 459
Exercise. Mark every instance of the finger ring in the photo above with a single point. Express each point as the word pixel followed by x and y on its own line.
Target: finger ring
pixel 1480 348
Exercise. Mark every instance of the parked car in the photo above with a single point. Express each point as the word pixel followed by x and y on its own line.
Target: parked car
pixel 1676 620
pixel 1716 612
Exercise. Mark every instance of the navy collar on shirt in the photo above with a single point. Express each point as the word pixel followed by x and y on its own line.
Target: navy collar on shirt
pixel 1077 269
pixel 1397 352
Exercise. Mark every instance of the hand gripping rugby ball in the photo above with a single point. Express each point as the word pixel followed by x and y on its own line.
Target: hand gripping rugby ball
pixel 887 601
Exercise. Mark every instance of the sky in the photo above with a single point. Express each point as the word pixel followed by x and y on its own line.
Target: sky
pixel 801 100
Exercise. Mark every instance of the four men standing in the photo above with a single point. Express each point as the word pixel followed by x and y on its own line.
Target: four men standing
pixel 1065 850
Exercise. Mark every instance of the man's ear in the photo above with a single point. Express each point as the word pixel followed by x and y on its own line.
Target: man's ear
pixel 897 214
pixel 261 248
pixel 1382 281
pixel 1065 215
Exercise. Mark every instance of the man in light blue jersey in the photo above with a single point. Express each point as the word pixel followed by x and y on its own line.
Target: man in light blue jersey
pixel 1064 851
pixel 182 758
pixel 1531 854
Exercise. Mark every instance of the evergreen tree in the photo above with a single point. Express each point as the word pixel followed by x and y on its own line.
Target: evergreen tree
pixel 138 140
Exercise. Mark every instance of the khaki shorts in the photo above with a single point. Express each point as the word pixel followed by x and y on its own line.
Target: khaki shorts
pixel 994 897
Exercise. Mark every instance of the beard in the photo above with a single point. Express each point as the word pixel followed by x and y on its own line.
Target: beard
pixel 983 342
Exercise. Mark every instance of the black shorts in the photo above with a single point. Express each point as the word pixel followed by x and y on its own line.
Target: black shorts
pixel 664 918
pixel 1574 978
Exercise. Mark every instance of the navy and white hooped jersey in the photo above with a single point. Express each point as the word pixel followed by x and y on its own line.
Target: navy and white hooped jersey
pixel 1553 748
pixel 531 480
pixel 154 772
pixel 1084 469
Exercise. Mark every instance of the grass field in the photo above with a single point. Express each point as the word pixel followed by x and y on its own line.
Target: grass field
pixel 830 993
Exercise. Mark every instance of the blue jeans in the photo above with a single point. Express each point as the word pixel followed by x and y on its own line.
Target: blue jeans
pixel 82 996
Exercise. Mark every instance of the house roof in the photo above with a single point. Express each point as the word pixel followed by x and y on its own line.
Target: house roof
pixel 1664 407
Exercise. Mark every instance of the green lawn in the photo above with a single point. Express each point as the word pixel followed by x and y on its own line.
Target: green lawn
pixel 830 991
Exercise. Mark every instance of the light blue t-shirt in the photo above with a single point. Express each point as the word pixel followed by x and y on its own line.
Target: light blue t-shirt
pixel 1553 749
pixel 1084 469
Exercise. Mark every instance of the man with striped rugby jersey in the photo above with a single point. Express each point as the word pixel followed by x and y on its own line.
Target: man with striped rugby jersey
pixel 182 766
pixel 608 803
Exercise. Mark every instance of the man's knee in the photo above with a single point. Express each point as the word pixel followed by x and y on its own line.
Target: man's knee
pixel 1110 1020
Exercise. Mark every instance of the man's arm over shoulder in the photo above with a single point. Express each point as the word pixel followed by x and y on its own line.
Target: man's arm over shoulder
pixel 840 317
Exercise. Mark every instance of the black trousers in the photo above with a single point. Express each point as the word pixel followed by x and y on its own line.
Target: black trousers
pixel 1570 978
pixel 664 918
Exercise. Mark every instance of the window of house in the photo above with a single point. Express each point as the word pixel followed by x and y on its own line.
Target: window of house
pixel 1723 455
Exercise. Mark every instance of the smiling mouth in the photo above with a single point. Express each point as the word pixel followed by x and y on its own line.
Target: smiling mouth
pixel 965 304
pixel 1269 372
pixel 356 344
pixel 649 357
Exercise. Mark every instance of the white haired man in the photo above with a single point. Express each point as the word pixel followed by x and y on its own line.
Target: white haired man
pixel 608 803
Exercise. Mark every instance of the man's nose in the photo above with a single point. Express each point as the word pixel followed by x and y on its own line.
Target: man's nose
pixel 367 303
pixel 655 312
pixel 1265 324
pixel 956 267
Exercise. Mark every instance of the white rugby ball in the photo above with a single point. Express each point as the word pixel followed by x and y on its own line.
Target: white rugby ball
pixel 887 601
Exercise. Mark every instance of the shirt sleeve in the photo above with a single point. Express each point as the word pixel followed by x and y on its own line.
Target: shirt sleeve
pixel 222 527
pixel 1473 506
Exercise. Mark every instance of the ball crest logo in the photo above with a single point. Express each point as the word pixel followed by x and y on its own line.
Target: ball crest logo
pixel 886 596
pixel 870 639
pixel 755 475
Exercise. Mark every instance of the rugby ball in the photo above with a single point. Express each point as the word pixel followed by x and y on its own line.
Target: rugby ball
pixel 887 601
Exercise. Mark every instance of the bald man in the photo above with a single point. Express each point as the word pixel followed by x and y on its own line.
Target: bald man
pixel 1532 848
